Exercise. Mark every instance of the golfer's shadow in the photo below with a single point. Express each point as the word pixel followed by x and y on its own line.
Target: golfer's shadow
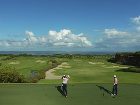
pixel 59 89
pixel 104 90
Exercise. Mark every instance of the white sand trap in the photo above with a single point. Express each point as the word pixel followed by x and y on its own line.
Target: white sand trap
pixel 96 63
pixel 50 73
pixel 116 66
pixel 119 67
pixel 64 65
pixel 14 63
pixel 111 66
pixel 91 63
pixel 40 61
pixel 57 68
pixel 105 66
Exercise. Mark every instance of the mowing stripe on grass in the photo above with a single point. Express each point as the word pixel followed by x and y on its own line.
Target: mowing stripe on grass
pixel 78 94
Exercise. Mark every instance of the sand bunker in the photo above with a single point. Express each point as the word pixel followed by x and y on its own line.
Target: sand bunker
pixel 91 63
pixel 14 63
pixel 40 61
pixel 63 65
pixel 96 63
pixel 106 66
pixel 50 73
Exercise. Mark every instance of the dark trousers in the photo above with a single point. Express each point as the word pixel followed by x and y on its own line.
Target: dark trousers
pixel 115 89
pixel 64 89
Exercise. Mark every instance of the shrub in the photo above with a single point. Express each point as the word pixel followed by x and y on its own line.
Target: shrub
pixel 36 76
pixel 11 77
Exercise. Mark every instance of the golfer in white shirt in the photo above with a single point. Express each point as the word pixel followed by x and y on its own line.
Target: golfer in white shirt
pixel 115 86
pixel 64 84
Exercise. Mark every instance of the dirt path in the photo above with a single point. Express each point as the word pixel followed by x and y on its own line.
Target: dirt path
pixel 50 75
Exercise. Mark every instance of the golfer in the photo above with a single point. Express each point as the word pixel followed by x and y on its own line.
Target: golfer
pixel 115 86
pixel 64 84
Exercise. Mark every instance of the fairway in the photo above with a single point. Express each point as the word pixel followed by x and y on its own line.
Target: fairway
pixel 96 70
pixel 78 94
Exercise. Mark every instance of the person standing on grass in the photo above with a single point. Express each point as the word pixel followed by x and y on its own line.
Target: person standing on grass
pixel 115 86
pixel 64 84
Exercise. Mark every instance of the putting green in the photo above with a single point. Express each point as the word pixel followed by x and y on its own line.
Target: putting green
pixel 78 94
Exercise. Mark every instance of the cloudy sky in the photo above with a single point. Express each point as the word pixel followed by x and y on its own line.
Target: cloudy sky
pixel 70 25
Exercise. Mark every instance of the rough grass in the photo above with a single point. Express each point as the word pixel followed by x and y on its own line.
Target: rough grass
pixel 25 65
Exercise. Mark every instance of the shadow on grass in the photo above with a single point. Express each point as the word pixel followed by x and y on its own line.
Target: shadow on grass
pixel 130 69
pixel 59 89
pixel 104 90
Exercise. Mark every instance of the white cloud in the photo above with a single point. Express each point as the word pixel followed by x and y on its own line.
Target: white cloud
pixel 63 38
pixel 115 39
pixel 138 28
pixel 31 37
pixel 136 20
pixel 12 43
pixel 67 38
pixel 4 43
pixel 114 33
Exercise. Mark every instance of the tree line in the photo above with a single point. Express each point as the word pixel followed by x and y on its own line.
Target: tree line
pixel 132 59
pixel 127 58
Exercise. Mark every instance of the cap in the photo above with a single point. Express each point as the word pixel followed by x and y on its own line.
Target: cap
pixel 115 76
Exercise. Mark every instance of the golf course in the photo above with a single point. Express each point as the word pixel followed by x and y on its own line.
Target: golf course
pixel 91 81
pixel 69 52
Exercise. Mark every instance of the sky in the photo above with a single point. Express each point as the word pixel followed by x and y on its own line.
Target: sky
pixel 70 25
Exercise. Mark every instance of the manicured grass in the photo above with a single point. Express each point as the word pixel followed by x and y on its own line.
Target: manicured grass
pixel 78 94
pixel 97 71
pixel 81 70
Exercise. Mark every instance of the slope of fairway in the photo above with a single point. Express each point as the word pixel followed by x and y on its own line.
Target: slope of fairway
pixel 79 94
pixel 95 71
pixel 24 65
